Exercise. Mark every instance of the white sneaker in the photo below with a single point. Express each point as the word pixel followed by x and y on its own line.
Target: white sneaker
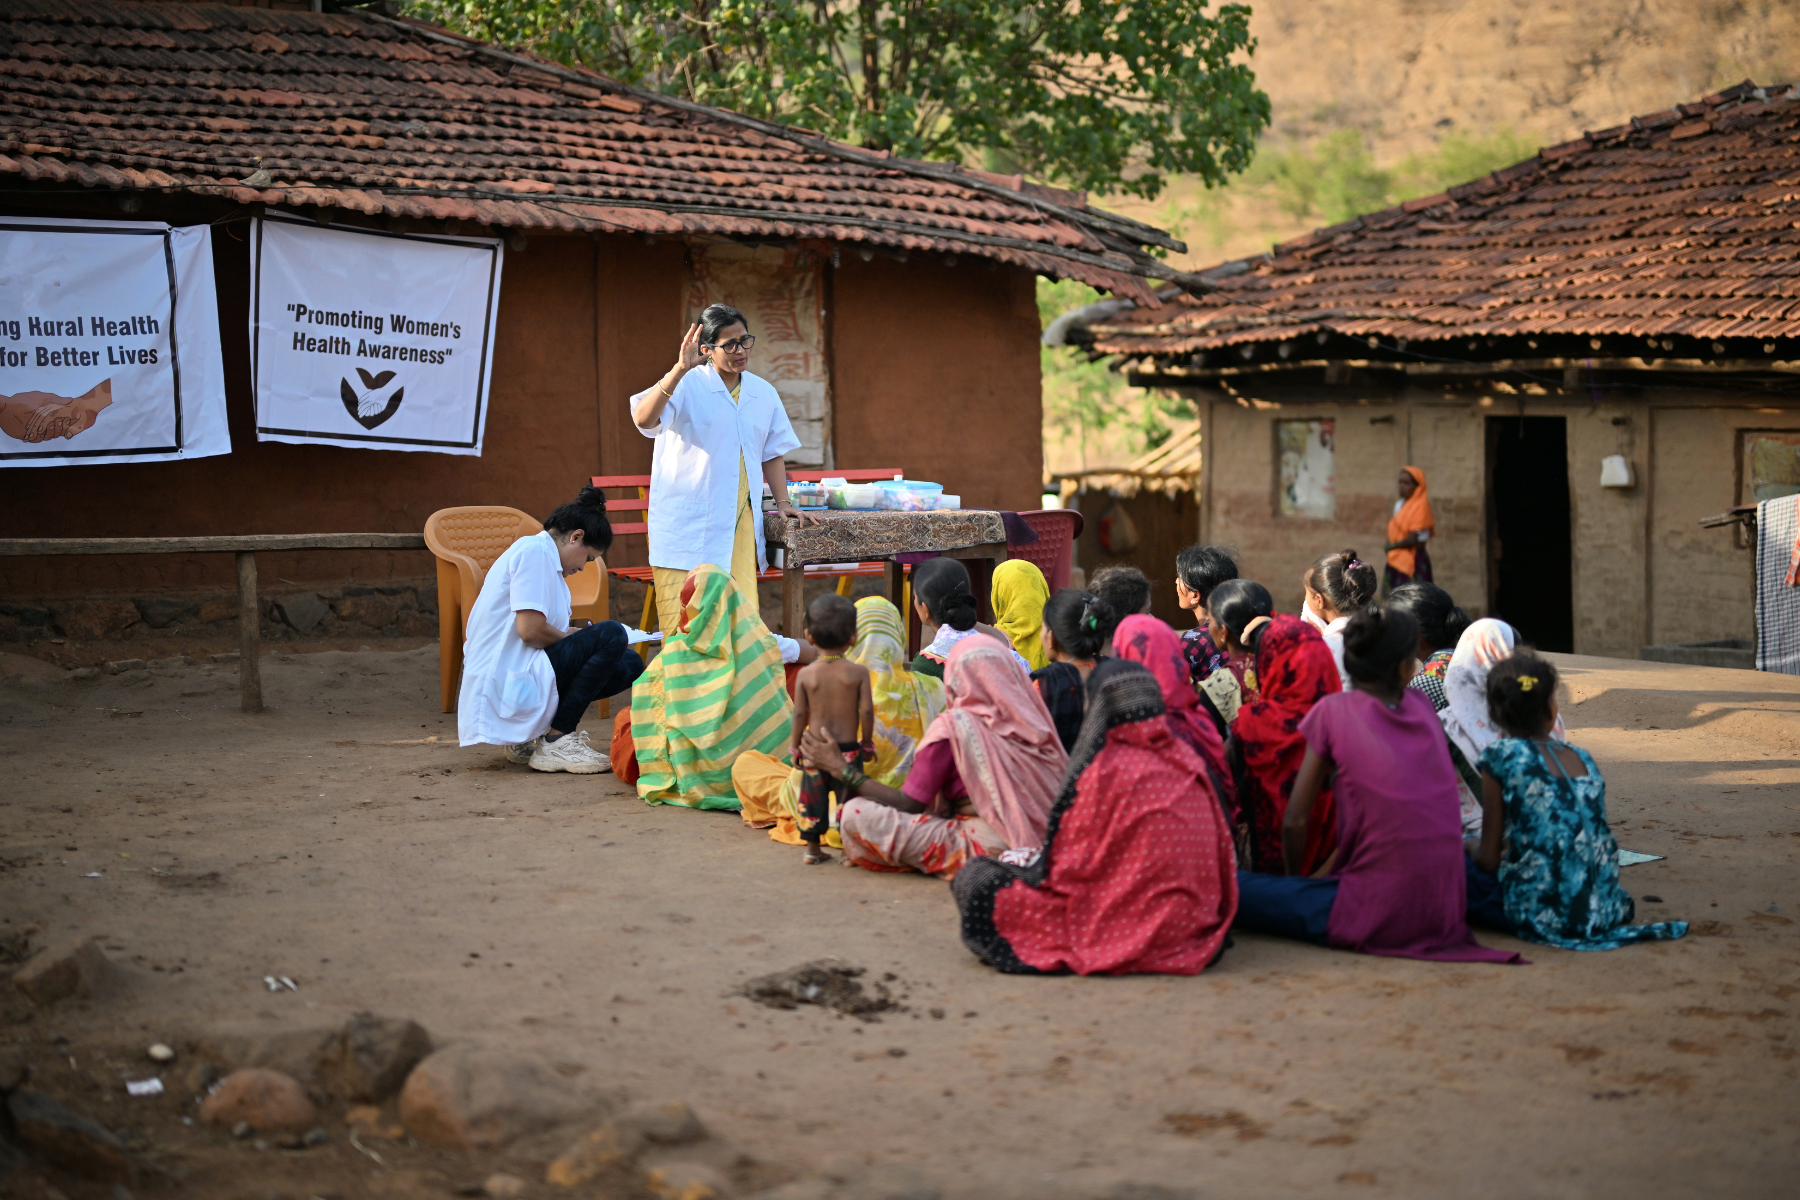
pixel 521 753
pixel 571 752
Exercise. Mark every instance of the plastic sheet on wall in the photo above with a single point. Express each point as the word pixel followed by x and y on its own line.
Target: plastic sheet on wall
pixel 109 343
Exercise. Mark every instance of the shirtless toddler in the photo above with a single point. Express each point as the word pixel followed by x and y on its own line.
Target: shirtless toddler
pixel 831 695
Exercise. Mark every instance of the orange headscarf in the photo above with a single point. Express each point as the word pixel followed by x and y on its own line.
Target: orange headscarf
pixel 1414 515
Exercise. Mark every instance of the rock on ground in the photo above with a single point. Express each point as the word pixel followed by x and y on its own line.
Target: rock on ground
pixel 688 1181
pixel 21 666
pixel 369 1059
pixel 265 1100
pixel 75 966
pixel 13 1068
pixel 469 1097
pixel 67 1139
pixel 614 1145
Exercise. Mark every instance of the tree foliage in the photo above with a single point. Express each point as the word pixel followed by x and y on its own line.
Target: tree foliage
pixel 1107 95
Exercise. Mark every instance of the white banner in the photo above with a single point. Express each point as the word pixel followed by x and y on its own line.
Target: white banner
pixel 370 339
pixel 109 343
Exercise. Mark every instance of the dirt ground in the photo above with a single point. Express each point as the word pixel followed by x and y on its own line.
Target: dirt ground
pixel 332 840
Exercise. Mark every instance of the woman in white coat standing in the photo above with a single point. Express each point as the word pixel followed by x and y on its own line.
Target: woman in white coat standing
pixel 720 433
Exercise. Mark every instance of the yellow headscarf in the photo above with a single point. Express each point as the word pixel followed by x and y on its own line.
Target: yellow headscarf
pixel 1020 594
pixel 905 701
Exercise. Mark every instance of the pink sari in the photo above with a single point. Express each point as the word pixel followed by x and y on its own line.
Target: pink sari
pixel 1005 744
pixel 1007 756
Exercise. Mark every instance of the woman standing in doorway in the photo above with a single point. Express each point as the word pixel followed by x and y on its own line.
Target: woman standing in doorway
pixel 1408 530
pixel 711 420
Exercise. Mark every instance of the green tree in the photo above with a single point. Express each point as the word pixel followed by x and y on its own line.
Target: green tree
pixel 1106 95
pixel 1081 398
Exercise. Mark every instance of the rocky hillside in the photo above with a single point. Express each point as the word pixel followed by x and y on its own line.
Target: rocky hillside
pixel 1371 96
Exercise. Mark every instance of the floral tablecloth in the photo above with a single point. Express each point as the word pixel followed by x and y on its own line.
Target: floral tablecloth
pixel 850 536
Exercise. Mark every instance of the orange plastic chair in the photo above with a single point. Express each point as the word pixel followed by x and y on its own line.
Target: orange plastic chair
pixel 1054 551
pixel 466 542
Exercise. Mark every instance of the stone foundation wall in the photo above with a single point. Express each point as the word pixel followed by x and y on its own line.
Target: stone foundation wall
pixel 401 608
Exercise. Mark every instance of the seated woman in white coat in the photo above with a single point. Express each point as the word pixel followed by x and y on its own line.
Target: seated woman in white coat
pixel 527 677
pixel 712 421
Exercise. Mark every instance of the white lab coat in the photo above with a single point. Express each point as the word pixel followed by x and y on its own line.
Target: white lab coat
pixel 694 473
pixel 508 692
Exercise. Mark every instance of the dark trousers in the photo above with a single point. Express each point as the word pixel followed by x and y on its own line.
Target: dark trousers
pixel 1290 906
pixel 1487 906
pixel 590 664
pixel 817 791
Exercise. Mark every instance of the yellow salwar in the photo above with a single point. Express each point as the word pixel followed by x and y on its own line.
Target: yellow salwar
pixel 668 580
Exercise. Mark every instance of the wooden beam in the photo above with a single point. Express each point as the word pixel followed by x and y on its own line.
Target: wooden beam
pixel 249 635
pixel 245 544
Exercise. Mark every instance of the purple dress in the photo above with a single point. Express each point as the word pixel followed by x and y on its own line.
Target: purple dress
pixel 1402 886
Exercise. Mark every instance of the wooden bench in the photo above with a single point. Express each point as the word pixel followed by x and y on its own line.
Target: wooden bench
pixel 640 503
pixel 246 547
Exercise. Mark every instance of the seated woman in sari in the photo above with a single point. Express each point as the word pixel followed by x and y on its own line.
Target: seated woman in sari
pixel 1294 671
pixel 906 702
pixel 1018 596
pixel 982 778
pixel 1146 640
pixel 715 691
pixel 942 599
pixel 1137 873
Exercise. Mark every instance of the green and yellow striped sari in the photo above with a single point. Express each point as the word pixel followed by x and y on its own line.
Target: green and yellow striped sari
pixel 716 690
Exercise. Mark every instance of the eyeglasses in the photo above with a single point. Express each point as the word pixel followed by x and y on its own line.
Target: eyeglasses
pixel 736 344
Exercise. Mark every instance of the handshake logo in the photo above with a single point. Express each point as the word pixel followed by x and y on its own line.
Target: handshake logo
pixel 374 403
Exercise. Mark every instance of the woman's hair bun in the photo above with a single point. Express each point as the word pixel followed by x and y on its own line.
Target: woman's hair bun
pixel 1520 691
pixel 1237 602
pixel 1377 639
pixel 958 610
pixel 1441 623
pixel 587 512
pixel 1080 622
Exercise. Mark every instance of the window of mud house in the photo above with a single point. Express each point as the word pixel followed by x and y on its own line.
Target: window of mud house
pixel 1306 469
pixel 1768 467
pixel 1770 464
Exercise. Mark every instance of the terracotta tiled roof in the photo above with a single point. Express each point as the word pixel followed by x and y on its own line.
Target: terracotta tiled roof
pixel 1682 224
pixel 395 119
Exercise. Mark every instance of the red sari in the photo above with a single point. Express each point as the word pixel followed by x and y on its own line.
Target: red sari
pixel 1137 873
pixel 1146 640
pixel 1294 669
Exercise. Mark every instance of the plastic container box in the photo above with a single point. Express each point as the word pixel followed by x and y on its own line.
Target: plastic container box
pixel 856 496
pixel 807 495
pixel 910 495
pixel 945 500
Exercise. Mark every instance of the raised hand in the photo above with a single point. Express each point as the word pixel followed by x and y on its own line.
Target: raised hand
pixel 691 357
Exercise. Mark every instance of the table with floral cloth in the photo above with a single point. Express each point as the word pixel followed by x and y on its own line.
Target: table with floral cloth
pixel 976 533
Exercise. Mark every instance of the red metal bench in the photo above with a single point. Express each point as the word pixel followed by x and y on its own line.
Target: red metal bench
pixel 640 503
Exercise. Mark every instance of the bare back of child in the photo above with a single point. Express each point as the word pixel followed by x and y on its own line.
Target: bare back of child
pixel 832 695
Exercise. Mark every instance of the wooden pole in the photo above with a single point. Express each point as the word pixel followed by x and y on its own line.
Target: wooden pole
pixel 249 634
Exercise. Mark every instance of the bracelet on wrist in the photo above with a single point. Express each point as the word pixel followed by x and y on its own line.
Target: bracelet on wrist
pixel 854 778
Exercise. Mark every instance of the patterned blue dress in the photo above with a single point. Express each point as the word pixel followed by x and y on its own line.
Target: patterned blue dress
pixel 1559 873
